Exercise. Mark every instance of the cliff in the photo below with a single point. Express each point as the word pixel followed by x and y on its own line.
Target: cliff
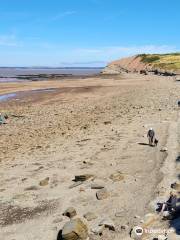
pixel 165 64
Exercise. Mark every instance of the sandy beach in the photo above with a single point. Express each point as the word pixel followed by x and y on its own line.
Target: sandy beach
pixel 58 129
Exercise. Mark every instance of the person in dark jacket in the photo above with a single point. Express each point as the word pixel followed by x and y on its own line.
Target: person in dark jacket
pixel 170 204
pixel 151 136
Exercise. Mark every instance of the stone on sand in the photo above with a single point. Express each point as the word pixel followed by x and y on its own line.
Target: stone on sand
pixel 70 212
pixel 164 149
pixel 44 182
pixel 97 230
pixel 124 227
pixel 115 177
pixel 107 223
pixel 96 186
pixel 90 216
pixel 83 177
pixel 102 194
pixel 75 229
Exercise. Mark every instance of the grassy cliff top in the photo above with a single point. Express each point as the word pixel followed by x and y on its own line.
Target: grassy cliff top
pixel 169 61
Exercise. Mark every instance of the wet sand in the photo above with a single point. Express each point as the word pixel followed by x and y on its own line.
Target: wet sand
pixel 96 125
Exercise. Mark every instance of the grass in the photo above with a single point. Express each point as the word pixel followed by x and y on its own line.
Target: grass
pixel 170 61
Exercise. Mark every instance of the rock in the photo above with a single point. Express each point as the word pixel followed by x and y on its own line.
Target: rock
pixel 107 122
pixel 75 229
pixel 102 194
pixel 136 216
pixel 31 188
pixel 83 178
pixel 90 216
pixel 124 227
pixel 75 184
pixel 44 182
pixel 96 186
pixel 108 223
pixel 118 176
pixel 97 230
pixel 70 212
pixel 164 149
pixel 119 214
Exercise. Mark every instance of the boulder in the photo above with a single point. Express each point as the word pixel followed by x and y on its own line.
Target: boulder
pixel 75 229
pixel 70 212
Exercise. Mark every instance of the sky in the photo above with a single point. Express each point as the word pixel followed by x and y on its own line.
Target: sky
pixel 85 32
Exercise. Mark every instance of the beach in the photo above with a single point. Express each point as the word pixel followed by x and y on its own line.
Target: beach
pixel 97 125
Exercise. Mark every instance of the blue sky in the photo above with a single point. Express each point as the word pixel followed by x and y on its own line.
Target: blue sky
pixel 85 32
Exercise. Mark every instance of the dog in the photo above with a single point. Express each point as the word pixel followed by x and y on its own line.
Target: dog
pixel 156 142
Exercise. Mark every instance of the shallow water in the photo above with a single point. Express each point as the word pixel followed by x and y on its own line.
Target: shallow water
pixel 5 97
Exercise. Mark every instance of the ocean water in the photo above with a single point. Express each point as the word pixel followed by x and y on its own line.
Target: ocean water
pixel 10 74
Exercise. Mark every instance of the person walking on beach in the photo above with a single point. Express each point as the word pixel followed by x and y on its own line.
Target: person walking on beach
pixel 151 136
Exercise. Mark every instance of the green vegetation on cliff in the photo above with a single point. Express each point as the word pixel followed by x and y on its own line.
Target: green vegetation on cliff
pixel 169 61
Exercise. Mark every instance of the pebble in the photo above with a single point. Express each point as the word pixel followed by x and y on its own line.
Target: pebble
pixel 90 216
pixel 102 194
pixel 118 176
pixel 124 227
pixel 83 178
pixel 97 230
pixel 31 188
pixel 70 212
pixel 108 223
pixel 96 186
pixel 164 149
pixel 44 182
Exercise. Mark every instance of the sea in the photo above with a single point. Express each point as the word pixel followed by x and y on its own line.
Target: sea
pixel 9 74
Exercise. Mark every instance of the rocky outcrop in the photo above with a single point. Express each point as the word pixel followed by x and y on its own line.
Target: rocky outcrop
pixel 135 64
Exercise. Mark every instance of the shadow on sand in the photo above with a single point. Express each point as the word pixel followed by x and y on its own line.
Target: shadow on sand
pixel 145 144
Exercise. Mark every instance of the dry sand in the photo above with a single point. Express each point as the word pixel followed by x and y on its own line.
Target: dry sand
pixel 96 125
